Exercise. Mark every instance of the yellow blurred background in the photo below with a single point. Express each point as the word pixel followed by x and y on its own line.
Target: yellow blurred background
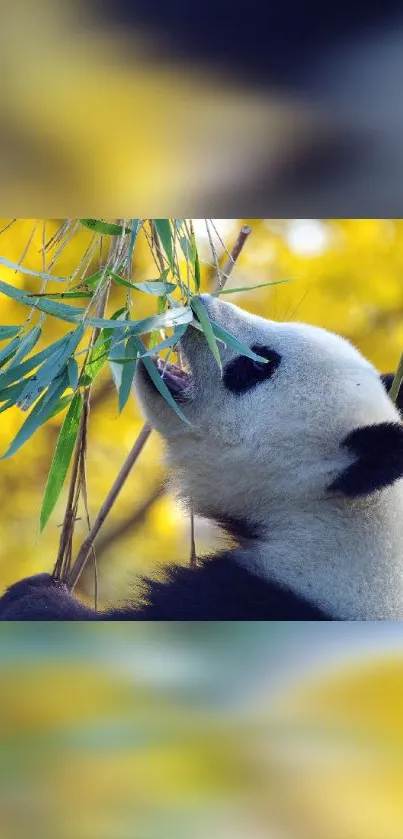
pixel 231 730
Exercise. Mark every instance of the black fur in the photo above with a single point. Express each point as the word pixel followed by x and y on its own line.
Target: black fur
pixel 243 373
pixel 218 589
pixel 379 459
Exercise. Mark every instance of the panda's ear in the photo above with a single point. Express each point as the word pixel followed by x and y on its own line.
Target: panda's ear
pixel 378 463
pixel 387 380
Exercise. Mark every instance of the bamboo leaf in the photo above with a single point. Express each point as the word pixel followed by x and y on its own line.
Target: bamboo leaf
pixel 103 226
pixel 135 226
pixel 7 405
pixel 128 372
pixel 201 314
pixel 12 392
pixel 181 314
pixel 61 458
pixel 9 350
pixel 159 382
pixel 21 269
pixel 196 264
pixel 91 281
pixel 61 404
pixel 156 333
pixel 107 339
pixel 39 415
pixel 186 248
pixel 26 366
pixel 26 345
pixel 8 332
pixel 222 291
pixel 169 342
pixel 51 307
pixel 163 229
pixel 73 373
pixel 234 343
pixel 50 369
pixel 156 287
pixel 72 295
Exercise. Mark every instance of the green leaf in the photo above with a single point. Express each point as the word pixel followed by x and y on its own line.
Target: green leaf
pixel 61 458
pixel 61 404
pixel 196 264
pixel 234 343
pixel 50 369
pixel 178 332
pixel 12 392
pixel 159 382
pixel 181 314
pixel 26 345
pixel 7 405
pixel 72 295
pixel 128 372
pixel 201 313
pixel 163 229
pixel 98 356
pixel 8 332
pixel 73 373
pixel 107 339
pixel 9 350
pixel 21 369
pixel 156 287
pixel 135 226
pixel 20 268
pixel 59 310
pixel 103 226
pixel 186 248
pixel 156 333
pixel 221 291
pixel 169 342
pixel 39 415
pixel 91 281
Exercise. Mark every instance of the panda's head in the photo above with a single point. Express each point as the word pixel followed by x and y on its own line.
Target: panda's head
pixel 314 422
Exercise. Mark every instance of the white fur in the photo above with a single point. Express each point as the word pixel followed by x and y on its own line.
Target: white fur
pixel 269 455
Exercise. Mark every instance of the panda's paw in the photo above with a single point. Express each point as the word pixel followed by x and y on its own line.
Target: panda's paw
pixel 22 596
pixel 40 597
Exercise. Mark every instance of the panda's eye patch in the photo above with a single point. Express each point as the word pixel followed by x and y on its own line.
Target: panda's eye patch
pixel 242 373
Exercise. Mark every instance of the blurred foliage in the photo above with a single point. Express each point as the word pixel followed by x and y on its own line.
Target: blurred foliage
pixel 157 731
pixel 347 276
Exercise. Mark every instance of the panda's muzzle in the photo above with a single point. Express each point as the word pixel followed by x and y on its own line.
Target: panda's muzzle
pixel 178 381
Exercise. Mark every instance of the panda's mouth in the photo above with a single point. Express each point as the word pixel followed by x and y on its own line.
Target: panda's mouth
pixel 177 380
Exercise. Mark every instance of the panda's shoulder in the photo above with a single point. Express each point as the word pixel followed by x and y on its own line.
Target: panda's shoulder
pixel 221 589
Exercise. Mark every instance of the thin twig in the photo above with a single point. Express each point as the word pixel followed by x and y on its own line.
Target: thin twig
pixel 131 522
pixel 397 382
pixel 224 272
pixel 87 546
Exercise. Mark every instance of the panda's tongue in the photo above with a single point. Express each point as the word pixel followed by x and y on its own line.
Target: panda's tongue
pixel 175 378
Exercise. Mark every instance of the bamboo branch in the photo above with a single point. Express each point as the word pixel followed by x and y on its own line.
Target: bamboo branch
pixel 87 546
pixel 223 273
pixel 131 522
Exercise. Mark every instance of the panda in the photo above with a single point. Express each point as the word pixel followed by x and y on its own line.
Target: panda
pixel 299 458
